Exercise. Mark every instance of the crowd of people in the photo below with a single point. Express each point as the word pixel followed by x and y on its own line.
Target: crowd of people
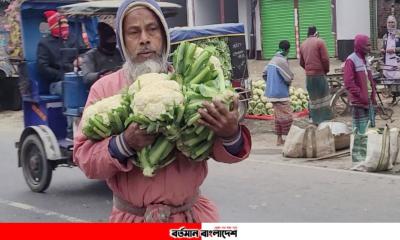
pixel 314 59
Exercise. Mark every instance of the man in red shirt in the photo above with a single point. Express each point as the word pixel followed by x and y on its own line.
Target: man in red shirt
pixel 314 59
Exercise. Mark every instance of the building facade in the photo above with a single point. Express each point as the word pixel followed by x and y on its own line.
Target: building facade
pixel 269 21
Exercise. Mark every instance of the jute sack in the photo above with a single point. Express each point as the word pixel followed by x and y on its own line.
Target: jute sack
pixel 308 142
pixel 377 156
pixel 394 147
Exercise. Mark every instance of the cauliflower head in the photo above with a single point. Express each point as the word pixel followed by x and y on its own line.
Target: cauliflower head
pixel 102 107
pixel 154 100
pixel 146 80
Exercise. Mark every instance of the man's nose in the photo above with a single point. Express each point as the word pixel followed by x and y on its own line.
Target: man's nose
pixel 144 38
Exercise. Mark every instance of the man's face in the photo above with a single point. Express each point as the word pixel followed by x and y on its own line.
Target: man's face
pixel 391 24
pixel 143 35
pixel 367 47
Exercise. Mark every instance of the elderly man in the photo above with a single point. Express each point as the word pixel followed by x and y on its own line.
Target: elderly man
pixel 391 53
pixel 172 195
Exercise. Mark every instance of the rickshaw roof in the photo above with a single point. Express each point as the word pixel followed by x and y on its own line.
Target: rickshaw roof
pixel 45 4
pixel 179 34
pixel 94 8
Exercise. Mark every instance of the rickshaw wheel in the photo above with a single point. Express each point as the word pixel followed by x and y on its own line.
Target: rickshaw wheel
pixel 339 103
pixel 386 93
pixel 35 166
pixel 385 113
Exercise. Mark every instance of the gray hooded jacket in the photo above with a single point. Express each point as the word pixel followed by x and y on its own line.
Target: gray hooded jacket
pixel 122 11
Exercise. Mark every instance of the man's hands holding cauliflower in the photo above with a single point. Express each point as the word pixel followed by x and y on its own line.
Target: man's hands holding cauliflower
pixel 137 138
pixel 222 121
pixel 183 111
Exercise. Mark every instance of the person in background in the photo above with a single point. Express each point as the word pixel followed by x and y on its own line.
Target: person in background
pixel 172 195
pixel 391 52
pixel 314 59
pixel 104 59
pixel 50 61
pixel 278 77
pixel 358 80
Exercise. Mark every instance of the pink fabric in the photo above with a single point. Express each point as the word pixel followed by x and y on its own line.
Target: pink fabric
pixel 360 42
pixel 357 86
pixel 173 185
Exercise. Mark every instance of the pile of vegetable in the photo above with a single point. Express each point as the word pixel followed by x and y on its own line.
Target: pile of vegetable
pixel 259 105
pixel 222 52
pixel 166 105
pixel 202 79
pixel 106 117
pixel 157 106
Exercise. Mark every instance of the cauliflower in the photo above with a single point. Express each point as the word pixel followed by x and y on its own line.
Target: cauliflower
pixel 146 80
pixel 102 107
pixel 106 117
pixel 154 100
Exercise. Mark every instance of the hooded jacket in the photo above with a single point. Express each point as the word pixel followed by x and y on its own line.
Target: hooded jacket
pixel 173 185
pixel 122 11
pixel 356 75
pixel 102 59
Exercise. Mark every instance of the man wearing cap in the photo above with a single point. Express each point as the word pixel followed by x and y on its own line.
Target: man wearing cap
pixel 104 59
pixel 173 194
pixel 49 58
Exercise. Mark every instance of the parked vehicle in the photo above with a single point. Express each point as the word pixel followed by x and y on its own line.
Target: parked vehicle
pixel 43 146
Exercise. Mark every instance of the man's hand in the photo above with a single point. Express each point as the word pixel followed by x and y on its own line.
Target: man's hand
pixel 137 138
pixel 219 119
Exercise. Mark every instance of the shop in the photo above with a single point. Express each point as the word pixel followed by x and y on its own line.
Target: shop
pixel 290 19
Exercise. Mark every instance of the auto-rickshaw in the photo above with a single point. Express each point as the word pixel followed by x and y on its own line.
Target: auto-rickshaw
pixel 43 145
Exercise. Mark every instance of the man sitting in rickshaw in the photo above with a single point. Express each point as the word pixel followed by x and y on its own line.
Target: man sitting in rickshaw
pixel 104 59
pixel 51 63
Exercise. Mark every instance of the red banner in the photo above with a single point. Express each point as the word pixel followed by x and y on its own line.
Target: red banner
pixel 95 231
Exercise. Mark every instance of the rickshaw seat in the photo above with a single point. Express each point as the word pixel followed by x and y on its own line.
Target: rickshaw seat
pixel 42 87
pixel 39 89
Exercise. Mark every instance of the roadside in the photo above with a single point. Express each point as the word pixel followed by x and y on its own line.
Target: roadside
pixel 263 135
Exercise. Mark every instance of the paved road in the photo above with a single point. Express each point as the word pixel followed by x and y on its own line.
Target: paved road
pixel 260 189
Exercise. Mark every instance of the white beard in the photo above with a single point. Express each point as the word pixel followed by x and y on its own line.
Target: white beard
pixel 155 65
